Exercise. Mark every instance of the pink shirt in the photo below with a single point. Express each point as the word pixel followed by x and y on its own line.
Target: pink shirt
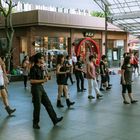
pixel 91 73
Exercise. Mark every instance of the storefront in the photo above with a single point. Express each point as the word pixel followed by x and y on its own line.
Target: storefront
pixel 53 33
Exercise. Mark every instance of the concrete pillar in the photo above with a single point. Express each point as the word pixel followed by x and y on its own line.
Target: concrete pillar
pixel 16 52
pixel 30 40
pixel 126 49
pixel 103 44
pixel 70 41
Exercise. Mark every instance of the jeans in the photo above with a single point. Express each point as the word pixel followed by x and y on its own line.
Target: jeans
pixel 79 78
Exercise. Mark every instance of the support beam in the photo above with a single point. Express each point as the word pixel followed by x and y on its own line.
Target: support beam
pixel 133 15
pixel 102 3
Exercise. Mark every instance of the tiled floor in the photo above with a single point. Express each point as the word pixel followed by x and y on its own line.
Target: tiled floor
pixel 107 119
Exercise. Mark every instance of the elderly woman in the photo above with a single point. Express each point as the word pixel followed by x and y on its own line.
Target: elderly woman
pixel 3 90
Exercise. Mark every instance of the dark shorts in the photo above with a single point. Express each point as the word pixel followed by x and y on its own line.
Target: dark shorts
pixel 61 81
pixel 103 78
pixel 135 66
pixel 2 87
pixel 126 87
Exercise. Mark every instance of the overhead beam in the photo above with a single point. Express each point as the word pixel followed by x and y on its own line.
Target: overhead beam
pixel 102 4
pixel 134 33
pixel 124 16
pixel 132 29
pixel 136 24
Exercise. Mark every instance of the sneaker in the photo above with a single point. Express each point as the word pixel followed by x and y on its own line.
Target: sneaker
pixel 36 126
pixel 79 90
pixel 84 89
pixel 101 89
pixel 91 97
pixel 108 88
pixel 134 101
pixel 125 102
pixel 99 96
pixel 62 95
pixel 58 120
pixel 73 82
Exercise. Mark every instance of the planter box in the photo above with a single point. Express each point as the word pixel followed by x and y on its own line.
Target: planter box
pixel 13 78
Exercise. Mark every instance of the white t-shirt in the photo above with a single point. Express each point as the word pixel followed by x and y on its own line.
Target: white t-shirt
pixel 70 61
pixel 1 77
pixel 74 59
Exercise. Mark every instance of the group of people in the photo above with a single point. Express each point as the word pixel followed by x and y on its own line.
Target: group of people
pixel 91 70
pixel 36 68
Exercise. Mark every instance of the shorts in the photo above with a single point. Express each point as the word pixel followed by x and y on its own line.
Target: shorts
pixel 103 78
pixel 135 66
pixel 126 87
pixel 2 87
pixel 62 81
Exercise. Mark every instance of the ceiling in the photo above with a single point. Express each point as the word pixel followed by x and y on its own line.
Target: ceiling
pixel 123 13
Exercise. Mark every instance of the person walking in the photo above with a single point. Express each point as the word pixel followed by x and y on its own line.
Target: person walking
pixel 26 69
pixel 69 65
pixel 3 91
pixel 136 63
pixel 61 76
pixel 79 73
pixel 91 76
pixel 39 96
pixel 103 72
pixel 126 80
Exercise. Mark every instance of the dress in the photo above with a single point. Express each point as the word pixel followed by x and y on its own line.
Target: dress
pixel 62 78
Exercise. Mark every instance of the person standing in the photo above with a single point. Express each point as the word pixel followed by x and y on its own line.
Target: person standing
pixel 26 68
pixel 103 71
pixel 37 79
pixel 69 65
pixel 126 80
pixel 136 63
pixel 91 76
pixel 61 76
pixel 3 91
pixel 6 80
pixel 79 73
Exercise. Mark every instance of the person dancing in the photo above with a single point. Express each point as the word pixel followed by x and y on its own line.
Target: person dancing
pixel 126 80
pixel 61 75
pixel 3 91
pixel 39 96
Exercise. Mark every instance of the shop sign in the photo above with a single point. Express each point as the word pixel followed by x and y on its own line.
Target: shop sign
pixel 89 34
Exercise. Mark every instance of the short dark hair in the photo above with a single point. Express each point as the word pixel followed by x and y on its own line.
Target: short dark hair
pixel 78 57
pixel 67 57
pixel 37 56
pixel 135 53
pixel 59 58
pixel 103 57
pixel 91 57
